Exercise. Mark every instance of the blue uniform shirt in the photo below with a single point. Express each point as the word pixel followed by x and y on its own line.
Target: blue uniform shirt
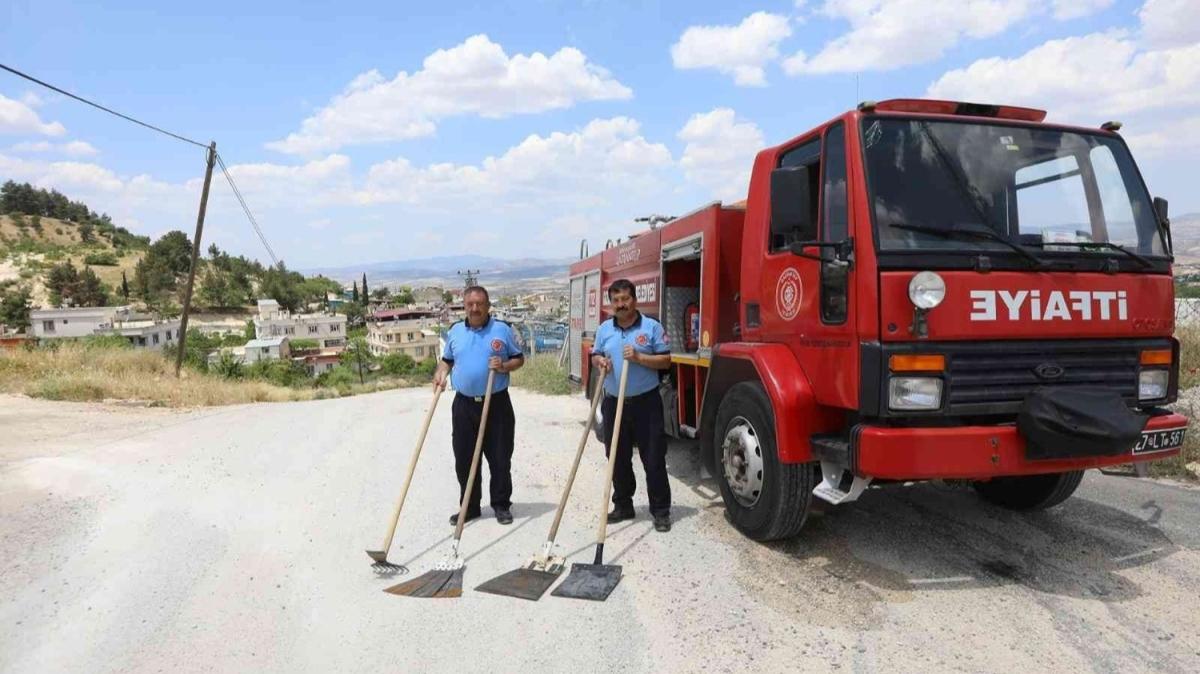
pixel 646 335
pixel 468 350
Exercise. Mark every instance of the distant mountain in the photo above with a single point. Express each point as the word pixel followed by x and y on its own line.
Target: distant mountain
pixel 445 268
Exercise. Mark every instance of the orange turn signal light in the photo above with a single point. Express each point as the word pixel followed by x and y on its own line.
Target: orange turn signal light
pixel 913 362
pixel 1156 357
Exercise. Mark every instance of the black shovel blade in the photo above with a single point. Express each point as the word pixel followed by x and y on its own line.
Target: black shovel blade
pixel 589 581
pixel 520 583
pixel 431 585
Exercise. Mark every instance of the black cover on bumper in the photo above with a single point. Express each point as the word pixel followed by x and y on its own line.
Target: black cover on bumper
pixel 1066 423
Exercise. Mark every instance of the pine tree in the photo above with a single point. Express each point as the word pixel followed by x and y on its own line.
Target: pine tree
pixel 366 296
pixel 124 287
pixel 354 297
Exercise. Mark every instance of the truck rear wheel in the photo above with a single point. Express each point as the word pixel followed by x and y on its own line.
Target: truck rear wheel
pixel 1030 492
pixel 765 499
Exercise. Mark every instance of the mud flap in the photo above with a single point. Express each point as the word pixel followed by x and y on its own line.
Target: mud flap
pixel 1066 423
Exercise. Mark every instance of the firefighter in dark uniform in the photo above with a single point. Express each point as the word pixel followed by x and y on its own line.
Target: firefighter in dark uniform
pixel 638 342
pixel 473 347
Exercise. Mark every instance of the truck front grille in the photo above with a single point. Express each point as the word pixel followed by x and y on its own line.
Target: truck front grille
pixel 997 380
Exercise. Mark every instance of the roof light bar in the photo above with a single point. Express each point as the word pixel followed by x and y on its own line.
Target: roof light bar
pixel 936 107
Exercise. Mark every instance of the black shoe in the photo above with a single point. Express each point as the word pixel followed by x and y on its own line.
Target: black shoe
pixel 503 515
pixel 620 515
pixel 470 516
pixel 662 522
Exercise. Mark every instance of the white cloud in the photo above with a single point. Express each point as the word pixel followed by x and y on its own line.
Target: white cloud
pixel 1087 78
pixel 75 148
pixel 1170 23
pixel 891 34
pixel 19 117
pixel 719 151
pixel 474 78
pixel 1166 139
pixel 593 166
pixel 1074 9
pixel 742 50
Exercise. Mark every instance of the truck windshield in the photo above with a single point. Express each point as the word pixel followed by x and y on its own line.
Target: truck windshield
pixel 1041 189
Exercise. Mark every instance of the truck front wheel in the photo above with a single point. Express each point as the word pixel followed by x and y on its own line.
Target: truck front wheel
pixel 1030 492
pixel 765 499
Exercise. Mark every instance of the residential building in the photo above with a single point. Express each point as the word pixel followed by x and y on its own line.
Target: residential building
pixel 429 295
pixel 217 326
pixel 275 348
pixel 141 331
pixel 146 333
pixel 74 321
pixel 328 330
pixel 406 331
pixel 319 361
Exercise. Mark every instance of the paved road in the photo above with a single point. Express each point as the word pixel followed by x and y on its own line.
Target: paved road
pixel 232 540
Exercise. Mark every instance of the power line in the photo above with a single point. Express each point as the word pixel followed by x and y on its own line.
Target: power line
pixel 250 216
pixel 110 111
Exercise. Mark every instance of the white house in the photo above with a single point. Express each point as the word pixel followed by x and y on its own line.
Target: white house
pixel 328 330
pixel 276 348
pixel 74 321
pixel 141 331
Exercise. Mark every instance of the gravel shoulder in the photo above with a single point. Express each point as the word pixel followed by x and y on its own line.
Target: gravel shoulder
pixel 231 539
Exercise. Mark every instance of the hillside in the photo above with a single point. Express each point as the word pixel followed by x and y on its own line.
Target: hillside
pixel 27 252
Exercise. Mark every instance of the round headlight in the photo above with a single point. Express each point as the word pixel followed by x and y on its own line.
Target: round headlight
pixel 926 290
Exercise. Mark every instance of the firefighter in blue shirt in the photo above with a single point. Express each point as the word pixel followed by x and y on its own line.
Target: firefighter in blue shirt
pixel 473 347
pixel 632 340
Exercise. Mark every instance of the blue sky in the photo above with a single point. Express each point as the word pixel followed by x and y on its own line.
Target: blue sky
pixel 397 130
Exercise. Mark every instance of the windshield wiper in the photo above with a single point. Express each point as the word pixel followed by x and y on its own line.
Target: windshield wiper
pixel 1145 262
pixel 986 233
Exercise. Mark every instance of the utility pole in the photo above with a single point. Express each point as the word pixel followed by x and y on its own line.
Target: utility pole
pixel 187 298
pixel 470 280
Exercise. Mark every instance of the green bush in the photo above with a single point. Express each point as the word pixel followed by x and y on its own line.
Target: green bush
pixel 104 259
pixel 427 367
pixel 228 366
pixel 106 342
pixel 340 377
pixel 398 364
pixel 279 372
pixel 542 374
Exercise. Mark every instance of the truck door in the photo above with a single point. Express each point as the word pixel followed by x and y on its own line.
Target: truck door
pixel 806 302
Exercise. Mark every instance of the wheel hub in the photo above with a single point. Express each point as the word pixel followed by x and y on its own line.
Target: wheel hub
pixel 742 461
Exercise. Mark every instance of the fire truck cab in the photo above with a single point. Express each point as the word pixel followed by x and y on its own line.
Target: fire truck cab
pixel 913 290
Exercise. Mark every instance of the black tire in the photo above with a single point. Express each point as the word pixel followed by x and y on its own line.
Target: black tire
pixel 783 501
pixel 1030 492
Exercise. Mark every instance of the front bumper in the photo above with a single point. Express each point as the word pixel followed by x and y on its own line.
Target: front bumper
pixel 974 452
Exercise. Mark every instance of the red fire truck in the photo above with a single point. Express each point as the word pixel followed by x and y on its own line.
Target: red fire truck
pixel 914 290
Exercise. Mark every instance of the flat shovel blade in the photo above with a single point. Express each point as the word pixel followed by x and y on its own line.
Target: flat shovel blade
pixel 431 585
pixel 589 581
pixel 521 583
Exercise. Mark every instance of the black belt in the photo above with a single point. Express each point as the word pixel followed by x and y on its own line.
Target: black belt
pixel 479 399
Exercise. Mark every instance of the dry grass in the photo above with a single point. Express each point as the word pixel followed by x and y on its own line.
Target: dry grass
pixel 77 372
pixel 1189 356
pixel 542 375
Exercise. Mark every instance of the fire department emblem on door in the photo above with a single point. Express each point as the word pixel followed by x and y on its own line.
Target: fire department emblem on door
pixel 789 293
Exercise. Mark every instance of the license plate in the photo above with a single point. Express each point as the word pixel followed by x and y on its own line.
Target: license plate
pixel 1160 441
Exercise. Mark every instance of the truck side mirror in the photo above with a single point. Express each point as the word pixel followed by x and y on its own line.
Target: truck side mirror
pixel 790 204
pixel 1164 222
pixel 1160 209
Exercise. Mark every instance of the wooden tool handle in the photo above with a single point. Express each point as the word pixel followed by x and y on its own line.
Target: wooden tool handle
pixel 587 428
pixel 412 468
pixel 462 509
pixel 602 529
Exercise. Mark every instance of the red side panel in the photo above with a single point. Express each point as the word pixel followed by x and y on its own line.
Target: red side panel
pixel 797 415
